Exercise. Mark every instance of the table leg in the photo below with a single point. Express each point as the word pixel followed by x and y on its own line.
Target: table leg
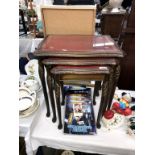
pixel 113 84
pixel 62 92
pixel 98 85
pixel 96 91
pixel 42 77
pixel 103 103
pixel 49 82
pixel 57 94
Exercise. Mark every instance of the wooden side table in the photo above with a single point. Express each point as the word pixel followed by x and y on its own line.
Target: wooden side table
pixel 52 62
pixel 99 73
pixel 83 46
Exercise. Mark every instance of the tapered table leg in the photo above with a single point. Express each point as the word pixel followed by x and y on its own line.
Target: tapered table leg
pixel 96 91
pixel 113 84
pixel 62 92
pixel 94 94
pixel 57 93
pixel 42 77
pixel 98 86
pixel 103 103
pixel 49 82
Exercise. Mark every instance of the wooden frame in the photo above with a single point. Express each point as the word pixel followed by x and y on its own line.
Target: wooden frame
pixel 68 20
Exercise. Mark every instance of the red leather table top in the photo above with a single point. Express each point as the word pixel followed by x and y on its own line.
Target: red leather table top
pixel 78 46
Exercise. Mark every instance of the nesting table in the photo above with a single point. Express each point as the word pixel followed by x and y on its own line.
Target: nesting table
pixel 92 50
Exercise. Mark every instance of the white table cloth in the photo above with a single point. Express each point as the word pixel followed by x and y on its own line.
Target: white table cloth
pixel 45 133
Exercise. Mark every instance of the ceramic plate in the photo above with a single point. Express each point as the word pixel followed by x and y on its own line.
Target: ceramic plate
pixel 23 91
pixel 25 103
pixel 29 111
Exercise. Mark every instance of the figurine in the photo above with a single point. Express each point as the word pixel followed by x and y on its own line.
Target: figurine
pixel 121 105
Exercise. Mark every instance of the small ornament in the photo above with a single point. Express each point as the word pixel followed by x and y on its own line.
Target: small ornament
pixel 122 105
